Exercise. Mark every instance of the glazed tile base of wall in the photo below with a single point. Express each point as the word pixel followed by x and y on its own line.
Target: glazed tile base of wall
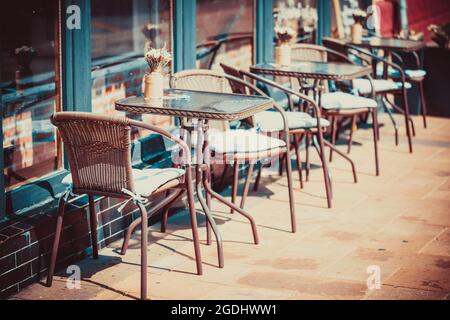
pixel 26 241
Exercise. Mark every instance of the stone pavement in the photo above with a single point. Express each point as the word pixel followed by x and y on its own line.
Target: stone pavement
pixel 397 222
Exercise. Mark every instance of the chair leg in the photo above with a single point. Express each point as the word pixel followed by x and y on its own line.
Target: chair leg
pixel 166 202
pixel 391 116
pixel 326 174
pixel 59 222
pixel 247 184
pixel 207 180
pixel 350 138
pixel 307 166
pixel 280 165
pixel 165 215
pixel 234 186
pixel 258 178
pixel 400 110
pixel 193 217
pixel 144 239
pixel 407 120
pixel 375 139
pixel 424 104
pixel 334 133
pixel 290 192
pixel 281 158
pixel 299 161
pixel 93 222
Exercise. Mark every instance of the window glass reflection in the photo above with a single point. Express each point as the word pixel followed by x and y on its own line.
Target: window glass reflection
pixel 119 32
pixel 28 63
pixel 224 33
pixel 300 15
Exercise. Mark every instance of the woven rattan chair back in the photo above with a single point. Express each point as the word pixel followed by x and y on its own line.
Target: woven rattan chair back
pixel 203 80
pixel 98 149
pixel 307 52
pixel 200 80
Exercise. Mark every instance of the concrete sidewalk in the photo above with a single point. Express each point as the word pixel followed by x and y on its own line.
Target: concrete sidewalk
pixel 397 222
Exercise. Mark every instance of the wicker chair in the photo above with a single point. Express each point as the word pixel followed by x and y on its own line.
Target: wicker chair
pixel 340 104
pixel 264 146
pixel 380 86
pixel 99 154
pixel 300 124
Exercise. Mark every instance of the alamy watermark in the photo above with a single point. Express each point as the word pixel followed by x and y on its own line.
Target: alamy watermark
pixel 374 280
pixel 73 20
pixel 74 279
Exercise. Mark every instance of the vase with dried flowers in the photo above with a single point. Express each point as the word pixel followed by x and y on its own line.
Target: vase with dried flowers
pixel 284 35
pixel 360 17
pixel 156 59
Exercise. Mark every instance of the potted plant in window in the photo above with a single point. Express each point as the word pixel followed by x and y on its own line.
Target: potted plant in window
pixel 284 35
pixel 156 59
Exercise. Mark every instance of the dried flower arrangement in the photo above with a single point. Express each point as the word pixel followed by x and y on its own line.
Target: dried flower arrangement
pixel 284 34
pixel 157 59
pixel 359 16
pixel 441 34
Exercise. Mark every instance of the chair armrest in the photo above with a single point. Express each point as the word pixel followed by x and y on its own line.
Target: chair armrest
pixel 168 135
pixel 379 59
pixel 398 57
pixel 284 89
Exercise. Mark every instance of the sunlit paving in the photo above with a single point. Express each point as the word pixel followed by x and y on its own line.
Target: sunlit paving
pixel 219 150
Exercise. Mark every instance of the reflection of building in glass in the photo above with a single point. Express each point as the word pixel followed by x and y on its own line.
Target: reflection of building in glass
pixel 224 33
pixel 119 33
pixel 301 16
pixel 28 91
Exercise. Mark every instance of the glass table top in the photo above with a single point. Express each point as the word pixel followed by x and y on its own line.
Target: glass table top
pixel 197 104
pixel 318 70
pixel 389 44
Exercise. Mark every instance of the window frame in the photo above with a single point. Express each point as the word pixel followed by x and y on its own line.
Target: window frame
pixel 76 82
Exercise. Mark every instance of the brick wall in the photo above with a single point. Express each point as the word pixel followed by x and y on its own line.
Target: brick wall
pixel 26 241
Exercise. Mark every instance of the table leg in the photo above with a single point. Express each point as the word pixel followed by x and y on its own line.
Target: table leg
pixel 210 223
pixel 389 112
pixel 217 196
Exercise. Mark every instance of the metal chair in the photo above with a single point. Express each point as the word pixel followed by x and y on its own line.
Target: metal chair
pixel 340 104
pixel 300 124
pixel 206 80
pixel 99 153
pixel 380 87
pixel 416 75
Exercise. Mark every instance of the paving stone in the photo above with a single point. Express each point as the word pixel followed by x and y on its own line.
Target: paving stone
pixel 399 221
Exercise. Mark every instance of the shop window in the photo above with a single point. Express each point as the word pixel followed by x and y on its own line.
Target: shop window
pixel 119 32
pixel 300 15
pixel 224 33
pixel 29 61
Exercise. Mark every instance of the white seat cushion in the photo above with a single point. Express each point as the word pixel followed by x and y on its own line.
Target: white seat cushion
pixel 272 121
pixel 243 141
pixel 146 181
pixel 380 85
pixel 342 100
pixel 410 73
pixel 281 97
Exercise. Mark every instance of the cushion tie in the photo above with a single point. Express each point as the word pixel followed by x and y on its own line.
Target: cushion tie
pixel 136 198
